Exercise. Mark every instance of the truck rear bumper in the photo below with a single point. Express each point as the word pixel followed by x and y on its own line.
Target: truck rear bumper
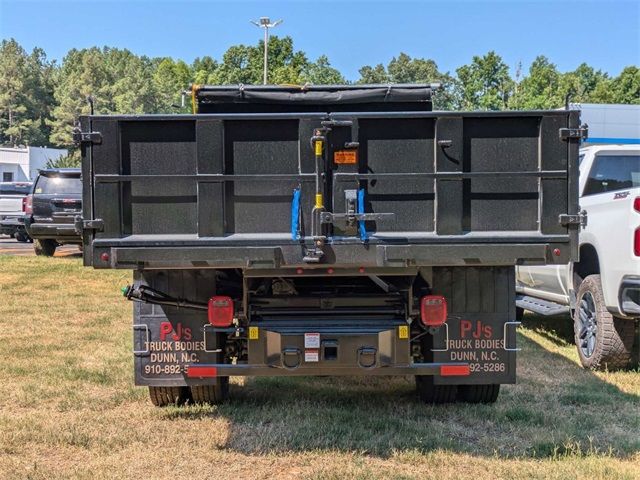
pixel 629 295
pixel 61 232
pixel 265 258
pixel 203 371
pixel 11 224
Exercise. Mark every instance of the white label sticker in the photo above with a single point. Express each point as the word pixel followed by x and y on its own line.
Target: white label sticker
pixel 312 340
pixel 311 355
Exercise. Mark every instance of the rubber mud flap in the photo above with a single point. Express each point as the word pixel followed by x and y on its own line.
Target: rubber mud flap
pixel 168 339
pixel 481 342
pixel 164 347
pixel 480 328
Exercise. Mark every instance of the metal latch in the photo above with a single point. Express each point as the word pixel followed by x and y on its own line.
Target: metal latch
pixel 336 123
pixel 351 215
pixel 579 133
pixel 82 225
pixel 567 219
pixel 349 218
pixel 87 137
pixel 351 198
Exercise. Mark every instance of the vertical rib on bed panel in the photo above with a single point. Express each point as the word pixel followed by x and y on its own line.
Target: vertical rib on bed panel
pixel 573 149
pixel 108 196
pixel 449 193
pixel 87 192
pixel 306 165
pixel 553 154
pixel 209 144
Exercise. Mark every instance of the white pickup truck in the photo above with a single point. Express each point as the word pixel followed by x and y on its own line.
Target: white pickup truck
pixel 12 197
pixel 602 290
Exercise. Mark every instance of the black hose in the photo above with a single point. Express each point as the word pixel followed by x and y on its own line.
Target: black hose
pixel 146 294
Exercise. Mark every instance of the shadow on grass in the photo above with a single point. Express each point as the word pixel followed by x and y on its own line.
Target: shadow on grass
pixel 557 409
pixel 558 329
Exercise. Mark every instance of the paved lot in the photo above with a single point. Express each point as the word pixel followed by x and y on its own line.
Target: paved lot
pixel 10 246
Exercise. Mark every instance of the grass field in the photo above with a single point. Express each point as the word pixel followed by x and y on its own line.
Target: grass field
pixel 69 409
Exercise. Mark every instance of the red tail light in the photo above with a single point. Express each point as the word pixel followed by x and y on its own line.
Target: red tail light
pixel 636 204
pixel 636 242
pixel 433 310
pixel 27 204
pixel 220 311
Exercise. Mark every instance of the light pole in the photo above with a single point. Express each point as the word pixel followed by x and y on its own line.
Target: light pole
pixel 265 22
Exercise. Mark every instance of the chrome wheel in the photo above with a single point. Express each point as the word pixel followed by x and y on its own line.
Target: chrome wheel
pixel 588 324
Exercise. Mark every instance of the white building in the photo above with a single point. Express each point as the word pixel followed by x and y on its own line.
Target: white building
pixel 21 164
pixel 611 123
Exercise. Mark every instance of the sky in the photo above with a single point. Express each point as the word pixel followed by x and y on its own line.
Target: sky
pixel 605 34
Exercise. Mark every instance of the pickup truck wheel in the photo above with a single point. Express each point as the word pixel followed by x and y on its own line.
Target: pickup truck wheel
pixel 478 393
pixel 22 237
pixel 436 394
pixel 45 248
pixel 163 396
pixel 602 340
pixel 211 394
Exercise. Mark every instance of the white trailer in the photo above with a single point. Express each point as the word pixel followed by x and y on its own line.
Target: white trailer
pixel 610 123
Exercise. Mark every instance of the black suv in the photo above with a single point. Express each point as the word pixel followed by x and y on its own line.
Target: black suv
pixel 55 200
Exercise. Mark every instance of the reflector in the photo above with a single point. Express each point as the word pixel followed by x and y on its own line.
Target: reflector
pixel 220 311
pixel 455 370
pixel 198 371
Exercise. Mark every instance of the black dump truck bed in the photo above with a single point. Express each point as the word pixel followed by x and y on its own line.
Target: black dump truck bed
pixel 440 188
pixel 334 230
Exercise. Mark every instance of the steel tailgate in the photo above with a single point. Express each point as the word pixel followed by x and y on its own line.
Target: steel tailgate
pixel 237 190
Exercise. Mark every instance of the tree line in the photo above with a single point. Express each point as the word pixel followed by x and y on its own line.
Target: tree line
pixel 40 100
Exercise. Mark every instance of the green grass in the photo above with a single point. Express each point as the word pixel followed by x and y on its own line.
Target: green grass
pixel 69 408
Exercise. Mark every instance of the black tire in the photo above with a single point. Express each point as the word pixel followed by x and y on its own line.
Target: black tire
pixel 45 248
pixel 211 394
pixel 603 341
pixel 434 394
pixel 163 396
pixel 21 237
pixel 478 393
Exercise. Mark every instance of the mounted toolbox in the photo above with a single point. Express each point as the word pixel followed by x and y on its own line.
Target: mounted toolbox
pixel 325 218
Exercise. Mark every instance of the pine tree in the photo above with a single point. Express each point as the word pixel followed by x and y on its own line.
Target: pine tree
pixel 83 75
pixel 170 79
pixel 26 88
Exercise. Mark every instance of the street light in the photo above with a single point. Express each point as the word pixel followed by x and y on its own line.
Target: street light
pixel 265 22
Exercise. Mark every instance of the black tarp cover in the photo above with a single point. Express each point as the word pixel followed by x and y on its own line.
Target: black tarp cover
pixel 316 95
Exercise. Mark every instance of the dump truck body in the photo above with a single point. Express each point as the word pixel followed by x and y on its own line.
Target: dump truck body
pixel 335 230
